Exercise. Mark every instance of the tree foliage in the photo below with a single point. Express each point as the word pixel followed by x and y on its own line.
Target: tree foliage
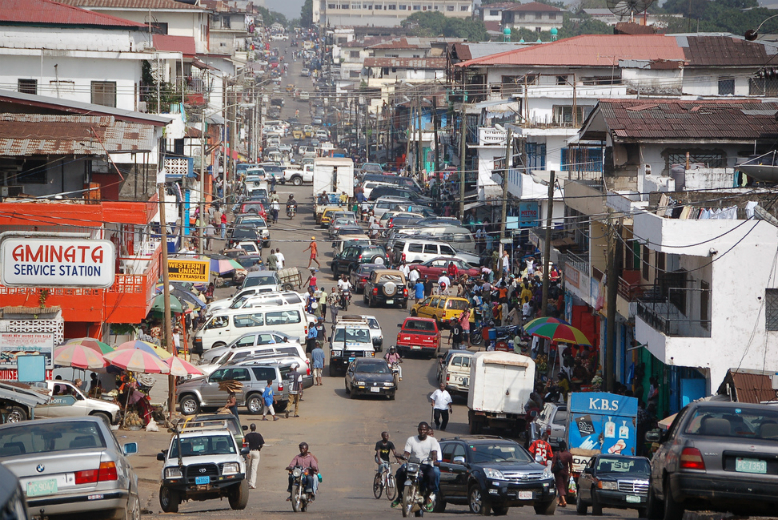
pixel 306 14
pixel 735 16
pixel 270 17
pixel 432 24
pixel 572 25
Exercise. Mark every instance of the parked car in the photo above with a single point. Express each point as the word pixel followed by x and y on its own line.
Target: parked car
pixel 338 222
pixel 442 309
pixel 358 277
pixel 419 335
pixel 454 371
pixel 376 335
pixel 353 256
pixel 387 286
pixel 259 223
pixel 12 501
pixel 553 417
pixel 72 466
pixel 68 401
pixel 716 456
pixel 613 481
pixel 413 250
pixel 493 474
pixel 236 355
pixel 253 339
pixel 369 376
pixel 432 269
pixel 256 208
pixel 267 280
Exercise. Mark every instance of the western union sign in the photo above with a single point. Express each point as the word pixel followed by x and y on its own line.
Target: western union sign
pixel 188 270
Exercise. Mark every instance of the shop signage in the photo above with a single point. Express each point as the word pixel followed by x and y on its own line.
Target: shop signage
pixel 53 262
pixel 188 270
pixel 529 214
pixel 15 344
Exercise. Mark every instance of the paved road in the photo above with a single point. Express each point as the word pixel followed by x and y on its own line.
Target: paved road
pixel 341 431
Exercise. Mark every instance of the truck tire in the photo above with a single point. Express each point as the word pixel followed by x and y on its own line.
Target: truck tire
pixel 476 502
pixel 168 500
pixel 596 506
pixel 239 495
pixel 189 405
pixel 546 508
pixel 297 180
pixel 673 509
pixel 254 404
pixel 16 414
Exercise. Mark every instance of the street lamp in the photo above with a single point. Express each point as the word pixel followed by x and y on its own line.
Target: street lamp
pixel 752 34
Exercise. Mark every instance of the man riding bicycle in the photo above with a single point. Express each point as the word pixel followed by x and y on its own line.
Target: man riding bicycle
pixel 383 448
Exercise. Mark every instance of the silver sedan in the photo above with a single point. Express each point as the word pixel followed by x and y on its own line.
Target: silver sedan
pixel 72 465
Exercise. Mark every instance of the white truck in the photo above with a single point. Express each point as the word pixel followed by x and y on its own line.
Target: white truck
pixel 332 175
pixel 500 386
pixel 297 176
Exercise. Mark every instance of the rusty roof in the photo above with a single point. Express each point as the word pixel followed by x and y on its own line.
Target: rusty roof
pixel 587 50
pixel 750 386
pixel 55 13
pixel 183 44
pixel 133 4
pixel 675 119
pixel 407 63
pixel 36 134
pixel 723 51
pixel 534 7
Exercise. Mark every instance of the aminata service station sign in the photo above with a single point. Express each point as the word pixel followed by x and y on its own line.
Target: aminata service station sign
pixel 53 262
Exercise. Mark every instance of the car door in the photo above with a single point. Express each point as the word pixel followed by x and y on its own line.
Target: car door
pixel 659 461
pixel 446 250
pixel 65 402
pixel 440 310
pixel 427 309
pixel 210 389
pixel 447 476
pixel 350 375
pixel 585 482
pixel 245 341
pixel 460 471
pixel 430 250
pixel 244 377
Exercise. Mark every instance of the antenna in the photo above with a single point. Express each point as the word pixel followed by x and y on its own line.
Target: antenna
pixel 628 8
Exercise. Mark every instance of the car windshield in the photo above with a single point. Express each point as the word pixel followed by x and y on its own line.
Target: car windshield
pixel 734 422
pixel 481 453
pixel 29 438
pixel 373 323
pixel 351 231
pixel 622 465
pixel 458 305
pixel 352 335
pixel 373 368
pixel 202 446
pixel 419 325
pixel 261 279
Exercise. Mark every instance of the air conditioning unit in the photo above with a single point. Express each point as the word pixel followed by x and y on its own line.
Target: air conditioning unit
pixel 11 191
pixel 142 107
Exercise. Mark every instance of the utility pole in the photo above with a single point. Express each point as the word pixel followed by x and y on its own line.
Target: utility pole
pixel 508 161
pixel 419 148
pixel 547 243
pixel 462 150
pixel 224 141
pixel 201 230
pixel 435 130
pixel 367 133
pixel 166 297
pixel 613 266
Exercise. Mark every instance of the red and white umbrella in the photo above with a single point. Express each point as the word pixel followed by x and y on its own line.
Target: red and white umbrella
pixel 137 360
pixel 78 356
pixel 181 367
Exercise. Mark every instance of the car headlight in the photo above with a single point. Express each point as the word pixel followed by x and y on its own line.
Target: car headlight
pixel 547 472
pixel 230 468
pixel 173 473
pixel 494 474
pixel 336 353
pixel 388 384
pixel 360 383
pixel 608 485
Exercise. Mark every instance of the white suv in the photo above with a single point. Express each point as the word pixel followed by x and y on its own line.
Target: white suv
pixel 376 335
pixel 350 339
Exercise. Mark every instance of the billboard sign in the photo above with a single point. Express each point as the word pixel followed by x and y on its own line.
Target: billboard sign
pixel 16 344
pixel 56 262
pixel 188 270
pixel 529 214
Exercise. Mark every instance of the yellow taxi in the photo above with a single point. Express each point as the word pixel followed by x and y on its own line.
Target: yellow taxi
pixel 326 215
pixel 442 308
pixel 297 134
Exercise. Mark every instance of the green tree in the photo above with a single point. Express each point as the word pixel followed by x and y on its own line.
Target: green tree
pixel 270 17
pixel 572 25
pixel 431 24
pixel 306 14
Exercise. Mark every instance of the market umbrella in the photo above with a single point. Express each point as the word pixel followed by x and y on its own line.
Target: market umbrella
pixel 136 360
pixel 180 367
pixel 92 343
pixel 145 346
pixel 224 265
pixel 559 332
pixel 159 304
pixel 78 356
pixel 188 298
pixel 538 321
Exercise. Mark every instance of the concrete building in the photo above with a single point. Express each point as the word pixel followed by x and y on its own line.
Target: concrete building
pixel 384 13
pixel 534 16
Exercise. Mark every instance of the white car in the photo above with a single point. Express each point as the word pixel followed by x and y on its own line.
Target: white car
pixel 68 401
pixel 284 147
pixel 375 332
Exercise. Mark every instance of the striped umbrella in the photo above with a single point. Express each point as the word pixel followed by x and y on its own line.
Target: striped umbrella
pixel 137 360
pixel 559 332
pixel 538 321
pixel 224 265
pixel 78 356
pixel 96 345
pixel 145 346
pixel 180 367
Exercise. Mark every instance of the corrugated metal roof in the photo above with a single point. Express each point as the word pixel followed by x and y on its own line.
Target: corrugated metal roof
pixel 588 50
pixel 182 44
pixel 47 12
pixel 750 386
pixel 680 119
pixel 134 4
pixel 707 51
pixel 407 63
pixel 37 134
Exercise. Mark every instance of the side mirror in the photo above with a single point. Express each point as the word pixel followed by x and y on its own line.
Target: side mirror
pixel 244 451
pixel 653 436
pixel 131 448
pixel 399 325
pixel 459 460
pixel 161 455
pixel 245 428
pixel 588 470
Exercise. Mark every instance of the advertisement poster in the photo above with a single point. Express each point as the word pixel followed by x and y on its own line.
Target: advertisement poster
pixel 188 270
pixel 603 422
pixel 15 344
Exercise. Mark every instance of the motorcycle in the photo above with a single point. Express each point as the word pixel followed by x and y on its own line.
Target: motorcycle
pixel 299 497
pixel 413 498
pixel 395 373
pixel 345 299
pixel 291 210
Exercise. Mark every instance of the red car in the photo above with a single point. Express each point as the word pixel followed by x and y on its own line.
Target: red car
pixel 432 269
pixel 419 335
pixel 256 208
pixel 359 276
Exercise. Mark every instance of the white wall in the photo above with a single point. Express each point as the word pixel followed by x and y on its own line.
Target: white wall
pixel 67 39
pixel 184 23
pixel 706 82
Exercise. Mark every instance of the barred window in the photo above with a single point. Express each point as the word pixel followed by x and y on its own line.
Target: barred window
pixel 709 159
pixel 771 309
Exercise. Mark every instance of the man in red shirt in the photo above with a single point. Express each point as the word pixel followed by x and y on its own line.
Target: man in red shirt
pixel 314 252
pixel 541 449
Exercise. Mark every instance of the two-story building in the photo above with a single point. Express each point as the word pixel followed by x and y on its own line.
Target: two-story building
pixel 534 16
pixel 385 13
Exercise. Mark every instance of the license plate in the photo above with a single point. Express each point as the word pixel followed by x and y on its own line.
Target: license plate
pixel 501 416
pixel 38 488
pixel 525 495
pixel 389 302
pixel 750 465
pixel 202 480
pixel 351 359
pixel 632 499
pixel 375 389
pixel 415 348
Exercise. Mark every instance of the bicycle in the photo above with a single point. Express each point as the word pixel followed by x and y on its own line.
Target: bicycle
pixel 384 479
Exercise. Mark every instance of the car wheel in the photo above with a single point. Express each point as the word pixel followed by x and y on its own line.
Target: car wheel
pixel 168 500
pixel 673 509
pixel 653 505
pixel 297 181
pixel 280 406
pixel 580 507
pixel 16 414
pixel 475 499
pixel 239 495
pixel 346 385
pixel 596 506
pixel 414 313
pixel 254 404
pixel 189 405
pixel 219 344
pixel 440 505
pixel 105 416
pixel 546 508
pixel 500 511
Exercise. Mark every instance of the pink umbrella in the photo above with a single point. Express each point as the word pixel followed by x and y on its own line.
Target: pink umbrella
pixel 79 356
pixel 137 360
pixel 180 367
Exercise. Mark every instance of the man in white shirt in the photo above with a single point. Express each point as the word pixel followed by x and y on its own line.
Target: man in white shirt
pixel 424 448
pixel 444 282
pixel 441 406
pixel 413 275
pixel 404 269
pixel 281 259
pixel 344 284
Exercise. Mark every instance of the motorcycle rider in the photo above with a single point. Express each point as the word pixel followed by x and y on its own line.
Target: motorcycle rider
pixel 310 466
pixel 392 357
pixel 426 449
pixel 344 286
pixel 291 203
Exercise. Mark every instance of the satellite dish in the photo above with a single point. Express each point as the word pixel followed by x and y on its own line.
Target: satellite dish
pixel 628 8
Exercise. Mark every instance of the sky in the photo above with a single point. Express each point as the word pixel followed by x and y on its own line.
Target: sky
pixel 288 8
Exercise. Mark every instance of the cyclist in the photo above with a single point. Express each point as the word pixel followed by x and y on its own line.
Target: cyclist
pixel 382 450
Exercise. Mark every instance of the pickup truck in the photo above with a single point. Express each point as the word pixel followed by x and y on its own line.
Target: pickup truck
pixel 298 176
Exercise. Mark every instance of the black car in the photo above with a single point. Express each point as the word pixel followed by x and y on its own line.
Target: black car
pixel 244 233
pixel 614 481
pixel 493 474
pixel 387 286
pixel 351 257
pixel 369 376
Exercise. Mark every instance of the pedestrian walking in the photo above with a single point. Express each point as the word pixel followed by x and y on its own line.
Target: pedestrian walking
pixel 210 233
pixel 267 399
pixel 255 442
pixel 281 258
pixel 272 260
pixel 314 249
pixel 295 388
pixel 562 467
pixel 541 449
pixel 323 303
pixel 224 225
pixel 333 304
pixel 317 358
pixel 440 400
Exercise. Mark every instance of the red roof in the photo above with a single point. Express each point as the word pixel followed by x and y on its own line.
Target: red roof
pixel 534 7
pixel 134 4
pixel 48 12
pixel 182 44
pixel 492 25
pixel 588 50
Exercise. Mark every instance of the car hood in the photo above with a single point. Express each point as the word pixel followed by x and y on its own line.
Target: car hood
pixel 511 466
pixel 206 459
pixel 374 378
pixel 191 384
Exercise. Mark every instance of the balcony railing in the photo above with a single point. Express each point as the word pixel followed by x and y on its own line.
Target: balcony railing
pixel 580 263
pixel 662 314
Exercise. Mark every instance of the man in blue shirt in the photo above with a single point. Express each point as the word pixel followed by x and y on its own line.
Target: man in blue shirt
pixel 419 288
pixel 318 364
pixel 267 397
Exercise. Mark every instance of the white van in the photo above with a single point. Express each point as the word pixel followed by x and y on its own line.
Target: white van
pixel 460 238
pixel 227 325
pixel 242 354
pixel 414 250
